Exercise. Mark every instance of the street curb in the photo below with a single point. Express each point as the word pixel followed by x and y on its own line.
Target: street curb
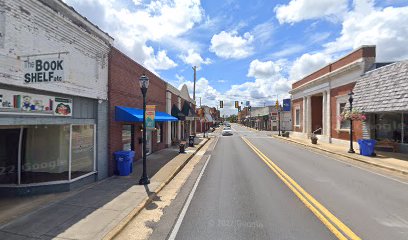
pixel 343 155
pixel 125 221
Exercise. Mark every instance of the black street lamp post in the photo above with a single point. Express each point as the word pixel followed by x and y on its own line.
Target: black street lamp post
pixel 144 84
pixel 279 120
pixel 351 150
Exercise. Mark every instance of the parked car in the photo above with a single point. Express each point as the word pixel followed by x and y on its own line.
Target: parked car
pixel 227 131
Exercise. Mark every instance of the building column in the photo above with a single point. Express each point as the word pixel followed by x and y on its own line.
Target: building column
pixel 304 130
pixel 324 110
pixel 328 115
pixel 179 122
pixel 309 115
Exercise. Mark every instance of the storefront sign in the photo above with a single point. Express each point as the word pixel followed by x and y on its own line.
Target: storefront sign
pixel 13 102
pixel 38 70
pixel 150 115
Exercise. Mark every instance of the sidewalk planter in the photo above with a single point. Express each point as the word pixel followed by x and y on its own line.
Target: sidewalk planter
pixel 367 146
pixel 182 147
pixel 313 138
pixel 124 162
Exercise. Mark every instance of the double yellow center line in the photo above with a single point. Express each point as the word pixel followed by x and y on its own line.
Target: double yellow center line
pixel 339 229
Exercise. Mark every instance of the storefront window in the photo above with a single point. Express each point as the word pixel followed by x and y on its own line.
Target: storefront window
pixel 388 126
pixel 82 152
pixel 297 117
pixel 127 137
pixel 9 142
pixel 45 153
pixel 346 123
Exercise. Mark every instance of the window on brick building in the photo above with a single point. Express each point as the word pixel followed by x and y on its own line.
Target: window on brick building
pixel 159 130
pixel 346 123
pixel 297 117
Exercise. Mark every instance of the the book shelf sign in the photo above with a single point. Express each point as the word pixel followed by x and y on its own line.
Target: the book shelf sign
pixel 13 102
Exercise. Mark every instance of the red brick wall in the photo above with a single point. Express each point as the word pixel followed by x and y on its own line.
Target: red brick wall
pixel 124 90
pixel 357 126
pixel 295 103
pixel 317 112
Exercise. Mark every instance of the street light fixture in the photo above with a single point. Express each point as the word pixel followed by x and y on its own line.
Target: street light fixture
pixel 351 150
pixel 144 84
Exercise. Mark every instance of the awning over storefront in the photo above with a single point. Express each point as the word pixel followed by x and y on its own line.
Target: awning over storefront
pixel 188 111
pixel 125 114
pixel 383 90
pixel 175 112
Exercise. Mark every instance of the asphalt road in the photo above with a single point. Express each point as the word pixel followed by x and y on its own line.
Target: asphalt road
pixel 240 197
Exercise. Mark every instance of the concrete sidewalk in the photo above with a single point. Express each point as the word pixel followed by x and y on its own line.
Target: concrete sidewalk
pixel 99 211
pixel 392 161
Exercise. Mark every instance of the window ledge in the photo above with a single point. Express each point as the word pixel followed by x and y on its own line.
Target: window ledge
pixel 343 130
pixel 296 125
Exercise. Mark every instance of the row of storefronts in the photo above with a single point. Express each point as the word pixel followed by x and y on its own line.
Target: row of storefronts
pixel 267 118
pixel 380 94
pixel 69 100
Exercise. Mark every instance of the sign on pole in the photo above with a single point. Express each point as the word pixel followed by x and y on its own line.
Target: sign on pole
pixel 286 105
pixel 150 115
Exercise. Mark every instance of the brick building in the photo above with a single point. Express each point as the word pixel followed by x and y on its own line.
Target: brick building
pixel 126 104
pixel 53 98
pixel 319 98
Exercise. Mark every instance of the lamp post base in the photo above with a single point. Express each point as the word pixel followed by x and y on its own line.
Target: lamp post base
pixel 144 181
pixel 351 151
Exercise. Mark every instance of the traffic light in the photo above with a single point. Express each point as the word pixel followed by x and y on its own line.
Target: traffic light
pixel 236 104
pixel 277 104
pixel 221 104
pixel 239 108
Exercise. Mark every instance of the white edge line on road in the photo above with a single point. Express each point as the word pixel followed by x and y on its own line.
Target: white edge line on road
pixel 352 164
pixel 364 169
pixel 187 204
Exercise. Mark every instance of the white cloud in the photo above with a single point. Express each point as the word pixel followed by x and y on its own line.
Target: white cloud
pixel 263 70
pixel 160 61
pixel 307 64
pixel 269 84
pixel 299 10
pixel 366 25
pixel 194 59
pixel 209 95
pixel 231 45
pixel 135 26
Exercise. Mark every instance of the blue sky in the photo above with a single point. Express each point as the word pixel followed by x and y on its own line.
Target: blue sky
pixel 247 50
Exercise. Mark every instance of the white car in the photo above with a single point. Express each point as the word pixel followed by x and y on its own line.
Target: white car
pixel 227 131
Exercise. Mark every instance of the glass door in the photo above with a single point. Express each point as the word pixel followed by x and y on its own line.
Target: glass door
pixel 9 145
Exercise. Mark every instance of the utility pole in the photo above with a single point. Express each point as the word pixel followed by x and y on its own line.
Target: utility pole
pixel 195 77
pixel 200 101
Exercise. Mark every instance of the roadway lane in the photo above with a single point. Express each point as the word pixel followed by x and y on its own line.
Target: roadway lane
pixel 238 197
pixel 373 206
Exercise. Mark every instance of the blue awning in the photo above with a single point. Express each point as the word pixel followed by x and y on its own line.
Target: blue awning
pixel 125 114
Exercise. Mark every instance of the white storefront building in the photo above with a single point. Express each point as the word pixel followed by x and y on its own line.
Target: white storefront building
pixel 53 98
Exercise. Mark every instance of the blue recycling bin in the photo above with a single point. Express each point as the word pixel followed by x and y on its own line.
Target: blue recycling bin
pixel 367 146
pixel 124 162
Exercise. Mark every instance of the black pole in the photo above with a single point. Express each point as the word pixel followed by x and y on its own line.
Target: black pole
pixel 279 123
pixel 145 179
pixel 351 150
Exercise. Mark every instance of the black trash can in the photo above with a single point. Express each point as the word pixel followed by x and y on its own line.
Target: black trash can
pixel 191 141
